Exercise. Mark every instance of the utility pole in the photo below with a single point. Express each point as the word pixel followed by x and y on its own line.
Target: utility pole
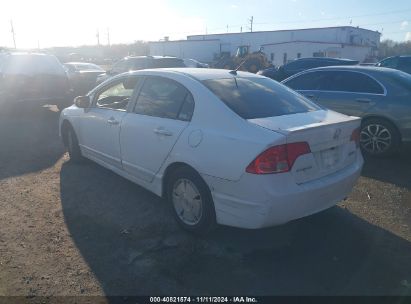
pixel 13 33
pixel 251 23
pixel 227 28
pixel 108 36
pixel 98 37
pixel 241 29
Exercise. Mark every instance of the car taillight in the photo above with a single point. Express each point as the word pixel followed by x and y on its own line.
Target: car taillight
pixel 278 159
pixel 355 137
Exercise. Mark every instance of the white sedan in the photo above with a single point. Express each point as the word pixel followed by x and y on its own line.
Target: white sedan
pixel 223 147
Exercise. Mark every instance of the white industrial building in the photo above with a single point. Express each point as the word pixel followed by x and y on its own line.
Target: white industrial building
pixel 279 46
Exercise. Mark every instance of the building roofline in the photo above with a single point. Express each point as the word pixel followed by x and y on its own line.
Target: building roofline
pixel 184 40
pixel 289 30
pixel 313 41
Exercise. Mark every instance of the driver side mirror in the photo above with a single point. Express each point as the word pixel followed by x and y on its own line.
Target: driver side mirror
pixel 82 102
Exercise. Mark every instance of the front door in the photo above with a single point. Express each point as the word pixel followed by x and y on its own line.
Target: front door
pixel 148 134
pixel 100 125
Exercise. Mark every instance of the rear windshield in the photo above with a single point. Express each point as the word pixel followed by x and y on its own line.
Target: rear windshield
pixel 258 97
pixel 33 64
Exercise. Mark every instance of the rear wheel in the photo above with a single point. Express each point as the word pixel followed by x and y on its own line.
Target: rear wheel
pixel 191 201
pixel 379 137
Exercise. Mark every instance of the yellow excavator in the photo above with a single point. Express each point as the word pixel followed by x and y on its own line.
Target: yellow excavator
pixel 243 60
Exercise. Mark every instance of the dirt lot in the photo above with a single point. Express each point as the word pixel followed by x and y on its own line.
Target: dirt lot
pixel 69 229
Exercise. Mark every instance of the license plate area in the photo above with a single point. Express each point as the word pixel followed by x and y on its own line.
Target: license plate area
pixel 330 158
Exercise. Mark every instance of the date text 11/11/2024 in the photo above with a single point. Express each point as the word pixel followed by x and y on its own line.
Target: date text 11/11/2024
pixel 203 300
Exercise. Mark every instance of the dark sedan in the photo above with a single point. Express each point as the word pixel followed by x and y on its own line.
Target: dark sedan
pixel 82 76
pixel 302 64
pixel 381 96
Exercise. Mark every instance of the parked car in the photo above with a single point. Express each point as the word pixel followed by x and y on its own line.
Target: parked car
pixel 302 64
pixel 141 62
pixel 380 96
pixel 192 63
pixel 402 63
pixel 82 76
pixel 223 147
pixel 33 78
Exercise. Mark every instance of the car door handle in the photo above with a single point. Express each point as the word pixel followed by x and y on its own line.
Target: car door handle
pixel 112 121
pixel 363 100
pixel 161 131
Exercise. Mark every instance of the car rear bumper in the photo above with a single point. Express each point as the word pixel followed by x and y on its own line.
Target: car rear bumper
pixel 262 201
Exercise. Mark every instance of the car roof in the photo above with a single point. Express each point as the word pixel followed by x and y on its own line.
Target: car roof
pixel 79 63
pixel 151 57
pixel 198 73
pixel 323 59
pixel 358 68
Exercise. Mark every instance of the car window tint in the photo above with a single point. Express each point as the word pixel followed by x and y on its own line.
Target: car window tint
pixel 120 67
pixel 139 63
pixel 346 81
pixel 258 97
pixel 187 109
pixel 405 62
pixel 167 63
pixel 33 64
pixel 307 81
pixel 117 95
pixel 161 97
pixel 389 62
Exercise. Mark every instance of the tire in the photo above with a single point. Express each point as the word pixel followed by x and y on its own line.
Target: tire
pixel 71 142
pixel 379 138
pixel 191 201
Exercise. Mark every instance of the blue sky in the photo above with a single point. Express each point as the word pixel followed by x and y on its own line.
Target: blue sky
pixel 76 22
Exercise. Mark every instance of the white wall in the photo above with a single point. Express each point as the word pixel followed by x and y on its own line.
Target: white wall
pixel 307 49
pixel 203 50
pixel 325 35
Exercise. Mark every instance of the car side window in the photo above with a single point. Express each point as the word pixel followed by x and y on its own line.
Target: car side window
pixel 120 67
pixel 139 63
pixel 346 81
pixel 164 98
pixel 310 81
pixel 389 62
pixel 405 62
pixel 117 95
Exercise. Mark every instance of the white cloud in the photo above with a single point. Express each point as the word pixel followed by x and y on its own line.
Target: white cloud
pixel 408 36
pixel 234 6
pixel 404 24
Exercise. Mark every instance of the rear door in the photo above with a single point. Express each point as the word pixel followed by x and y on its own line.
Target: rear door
pixel 162 111
pixel 349 92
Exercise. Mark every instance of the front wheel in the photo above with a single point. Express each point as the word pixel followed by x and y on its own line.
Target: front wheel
pixel 191 201
pixel 379 138
pixel 72 145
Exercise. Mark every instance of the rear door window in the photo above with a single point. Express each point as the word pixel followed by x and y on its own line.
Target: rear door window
pixel 165 98
pixel 258 97
pixel 347 81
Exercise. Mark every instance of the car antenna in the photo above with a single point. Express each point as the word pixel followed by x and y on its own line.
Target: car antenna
pixel 234 72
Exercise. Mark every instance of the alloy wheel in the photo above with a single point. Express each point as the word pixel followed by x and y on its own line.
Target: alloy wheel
pixel 375 138
pixel 187 201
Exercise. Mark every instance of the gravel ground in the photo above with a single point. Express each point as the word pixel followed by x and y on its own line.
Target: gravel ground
pixel 69 229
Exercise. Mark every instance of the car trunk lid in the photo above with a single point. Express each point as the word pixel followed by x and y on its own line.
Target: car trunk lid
pixel 328 134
